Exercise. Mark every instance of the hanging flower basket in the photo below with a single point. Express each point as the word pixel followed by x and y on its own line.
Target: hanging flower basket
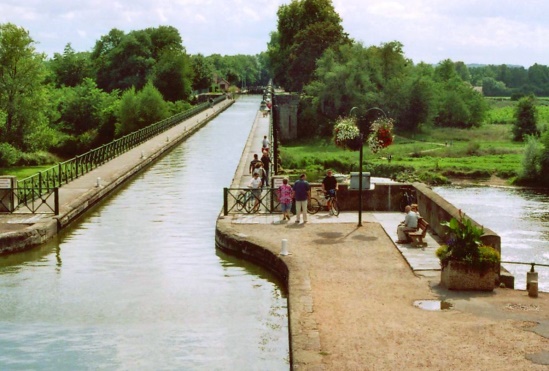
pixel 381 134
pixel 347 135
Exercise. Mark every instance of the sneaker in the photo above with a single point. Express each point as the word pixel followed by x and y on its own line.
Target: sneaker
pixel 304 221
pixel 297 221
pixel 331 212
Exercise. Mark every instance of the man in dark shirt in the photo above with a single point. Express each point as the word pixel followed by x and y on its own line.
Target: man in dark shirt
pixel 302 192
pixel 329 186
pixel 254 162
pixel 266 162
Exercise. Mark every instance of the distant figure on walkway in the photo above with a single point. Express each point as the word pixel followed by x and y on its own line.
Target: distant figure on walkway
pixel 255 185
pixel 260 172
pixel 408 225
pixel 329 186
pixel 302 192
pixel 254 162
pixel 265 144
pixel 285 193
pixel 266 160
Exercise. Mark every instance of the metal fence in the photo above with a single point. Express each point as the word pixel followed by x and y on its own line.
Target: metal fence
pixel 30 200
pixel 245 201
pixel 45 181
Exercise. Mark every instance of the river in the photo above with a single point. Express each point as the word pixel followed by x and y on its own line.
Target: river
pixel 520 216
pixel 138 284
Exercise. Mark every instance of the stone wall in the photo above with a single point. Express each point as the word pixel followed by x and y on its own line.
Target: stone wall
pixel 286 106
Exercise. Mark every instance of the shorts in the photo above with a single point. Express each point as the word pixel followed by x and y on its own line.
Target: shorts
pixel 286 207
pixel 330 193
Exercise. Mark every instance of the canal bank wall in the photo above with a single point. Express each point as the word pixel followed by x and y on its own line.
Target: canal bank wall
pixel 19 232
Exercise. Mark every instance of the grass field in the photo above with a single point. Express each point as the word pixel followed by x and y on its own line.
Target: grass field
pixel 22 172
pixel 431 156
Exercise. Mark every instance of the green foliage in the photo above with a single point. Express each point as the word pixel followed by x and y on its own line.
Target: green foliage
pixel 525 119
pixel 70 68
pixel 173 76
pixel 9 155
pixel 22 95
pixel 463 243
pixel 306 28
pixel 140 109
pixel 530 169
pixel 122 61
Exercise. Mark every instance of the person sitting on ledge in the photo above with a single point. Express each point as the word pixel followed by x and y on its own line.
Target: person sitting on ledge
pixel 408 225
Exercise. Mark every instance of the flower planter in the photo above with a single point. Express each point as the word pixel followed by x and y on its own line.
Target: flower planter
pixel 459 276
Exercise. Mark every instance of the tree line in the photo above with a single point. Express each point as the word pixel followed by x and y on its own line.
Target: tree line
pixel 310 53
pixel 77 101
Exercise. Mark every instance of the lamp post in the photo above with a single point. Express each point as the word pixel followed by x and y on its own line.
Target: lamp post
pixel 360 164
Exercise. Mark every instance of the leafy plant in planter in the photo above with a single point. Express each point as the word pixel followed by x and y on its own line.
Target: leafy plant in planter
pixel 464 245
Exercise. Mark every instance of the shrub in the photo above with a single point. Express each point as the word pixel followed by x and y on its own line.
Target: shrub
pixel 463 244
pixel 9 155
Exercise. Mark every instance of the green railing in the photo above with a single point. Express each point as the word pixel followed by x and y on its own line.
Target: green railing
pixel 30 200
pixel 64 172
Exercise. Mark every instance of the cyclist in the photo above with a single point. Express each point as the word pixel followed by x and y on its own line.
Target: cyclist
pixel 329 186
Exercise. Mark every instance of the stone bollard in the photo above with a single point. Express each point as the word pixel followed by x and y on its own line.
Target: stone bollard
pixel 533 289
pixel 284 250
pixel 531 276
pixel 98 184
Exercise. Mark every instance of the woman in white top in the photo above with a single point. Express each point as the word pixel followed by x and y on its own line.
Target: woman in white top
pixel 255 185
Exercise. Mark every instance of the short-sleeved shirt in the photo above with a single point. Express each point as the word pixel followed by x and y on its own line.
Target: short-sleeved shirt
pixel 411 219
pixel 285 194
pixel 301 189
pixel 330 182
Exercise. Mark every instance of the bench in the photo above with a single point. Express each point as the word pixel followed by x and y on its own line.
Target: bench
pixel 418 235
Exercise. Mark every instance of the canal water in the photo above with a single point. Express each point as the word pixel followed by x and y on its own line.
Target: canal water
pixel 519 216
pixel 138 284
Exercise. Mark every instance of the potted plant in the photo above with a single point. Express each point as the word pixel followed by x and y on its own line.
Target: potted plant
pixel 467 264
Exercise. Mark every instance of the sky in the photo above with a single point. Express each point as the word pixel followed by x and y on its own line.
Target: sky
pixel 472 31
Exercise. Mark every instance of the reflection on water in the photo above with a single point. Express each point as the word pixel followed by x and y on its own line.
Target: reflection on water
pixel 519 216
pixel 138 283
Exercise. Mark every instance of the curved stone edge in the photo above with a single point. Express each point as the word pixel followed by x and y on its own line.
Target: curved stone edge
pixel 44 230
pixel 305 346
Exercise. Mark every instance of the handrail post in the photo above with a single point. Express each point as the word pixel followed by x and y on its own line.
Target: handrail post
pixel 225 201
pixel 271 190
pixel 56 200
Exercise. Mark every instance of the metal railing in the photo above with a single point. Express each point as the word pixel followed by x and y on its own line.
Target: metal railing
pixel 243 201
pixel 524 263
pixel 30 200
pixel 43 182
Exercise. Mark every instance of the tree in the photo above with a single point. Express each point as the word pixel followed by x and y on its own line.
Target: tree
pixel 525 119
pixel 22 96
pixel 203 72
pixel 306 29
pixel 173 75
pixel 70 68
pixel 140 109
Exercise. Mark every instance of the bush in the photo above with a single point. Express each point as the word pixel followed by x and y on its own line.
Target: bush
pixel 463 244
pixel 9 155
pixel 530 168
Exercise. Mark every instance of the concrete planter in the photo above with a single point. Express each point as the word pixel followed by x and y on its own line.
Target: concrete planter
pixel 459 276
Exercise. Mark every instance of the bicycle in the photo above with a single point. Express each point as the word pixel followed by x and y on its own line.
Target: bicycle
pixel 313 205
pixel 245 201
pixel 408 197
pixel 334 205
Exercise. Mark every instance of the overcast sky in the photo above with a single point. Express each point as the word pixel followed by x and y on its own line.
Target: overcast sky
pixel 472 31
